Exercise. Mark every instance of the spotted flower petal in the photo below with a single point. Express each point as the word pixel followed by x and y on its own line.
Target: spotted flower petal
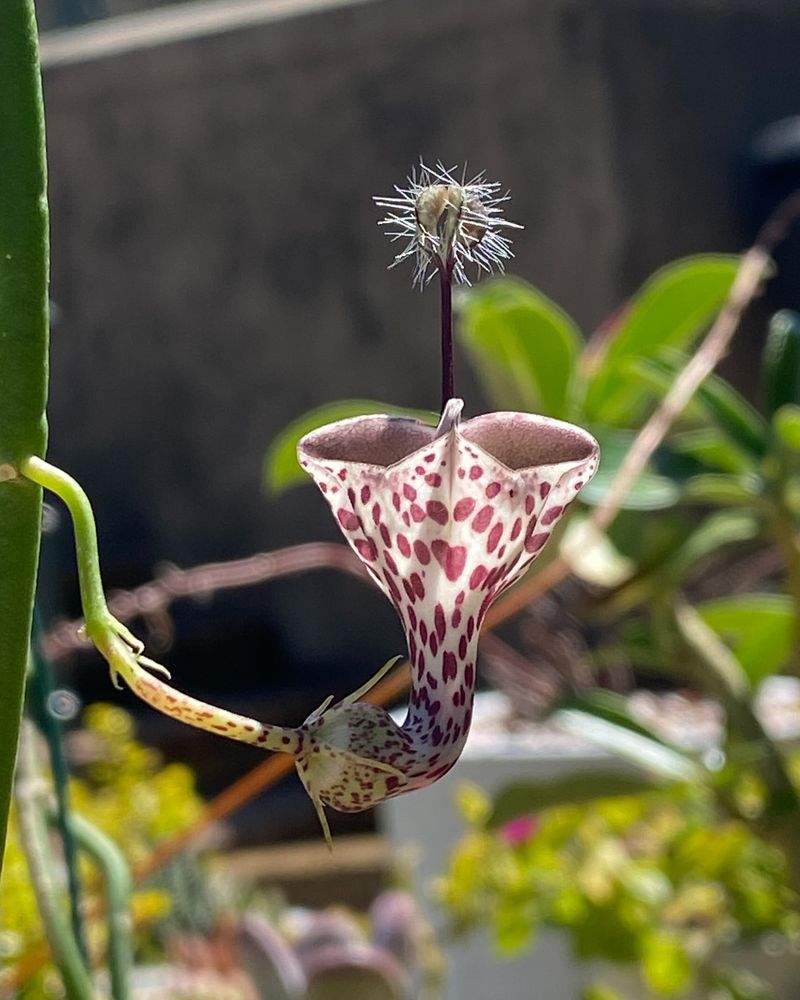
pixel 444 519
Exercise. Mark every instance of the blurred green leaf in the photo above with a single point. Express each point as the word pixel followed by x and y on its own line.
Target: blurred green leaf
pixel 719 402
pixel 666 966
pixel 780 362
pixel 722 490
pixel 656 758
pixel 710 447
pixel 281 468
pixel 522 346
pixel 525 798
pixel 757 627
pixel 651 491
pixel 786 423
pixel 724 527
pixel 672 308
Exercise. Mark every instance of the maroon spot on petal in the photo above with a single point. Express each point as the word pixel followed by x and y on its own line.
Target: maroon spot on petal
pixel 437 511
pixel 449 666
pixel 420 471
pixel 439 623
pixel 501 552
pixel 392 782
pixel 494 537
pixel 394 590
pixel 376 513
pixel 477 576
pixel 390 563
pixel 462 647
pixel 396 501
pixel 463 509
pixel 416 583
pixel 485 606
pixel 455 618
pixel 432 682
pixel 578 485
pixel 470 627
pixel 410 591
pixel 421 552
pixel 433 479
pixel 492 490
pixel 403 545
pixel 421 661
pixel 515 529
pixel 323 487
pixel 461 473
pixel 409 492
pixel 475 472
pixel 387 538
pixel 347 519
pixel 551 515
pixel 406 519
pixel 343 474
pixel 460 597
pixel 430 458
pixel 530 503
pixel 351 495
pixel 412 648
pixel 534 542
pixel 423 631
pixel 437 736
pixel 469 674
pixel 433 642
pixel 366 549
pixel 417 512
pixel 544 489
pixel 412 618
pixel 366 493
pixel 481 520
pixel 452 558
pixel 334 489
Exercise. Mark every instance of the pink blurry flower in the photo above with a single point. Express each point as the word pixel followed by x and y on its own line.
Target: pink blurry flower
pixel 520 830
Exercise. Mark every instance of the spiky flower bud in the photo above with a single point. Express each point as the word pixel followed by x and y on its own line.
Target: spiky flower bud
pixel 448 223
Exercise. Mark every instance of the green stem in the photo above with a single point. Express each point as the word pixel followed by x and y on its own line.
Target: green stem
pixel 23 359
pixel 29 793
pixel 122 650
pixel 109 859
pixel 785 535
pixel 40 692
pixel 93 599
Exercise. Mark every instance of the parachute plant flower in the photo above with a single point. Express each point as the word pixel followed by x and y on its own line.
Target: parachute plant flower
pixel 444 518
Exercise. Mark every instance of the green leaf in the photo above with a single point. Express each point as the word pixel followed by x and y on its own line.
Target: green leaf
pixel 786 423
pixel 724 527
pixel 780 362
pixel 522 346
pixel 710 447
pixel 281 468
pixel 673 307
pixel 651 491
pixel 525 798
pixel 717 401
pixel 666 966
pixel 720 490
pixel 657 759
pixel 757 627
pixel 23 359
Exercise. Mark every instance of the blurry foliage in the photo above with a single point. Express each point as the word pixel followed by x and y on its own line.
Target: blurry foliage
pixel 656 880
pixel 128 793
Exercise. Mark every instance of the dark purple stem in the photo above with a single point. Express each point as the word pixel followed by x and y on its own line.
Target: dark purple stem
pixel 446 289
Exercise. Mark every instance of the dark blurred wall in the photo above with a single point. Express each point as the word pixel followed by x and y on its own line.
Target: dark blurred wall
pixel 218 270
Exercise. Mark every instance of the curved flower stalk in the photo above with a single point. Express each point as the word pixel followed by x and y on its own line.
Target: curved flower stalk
pixel 444 519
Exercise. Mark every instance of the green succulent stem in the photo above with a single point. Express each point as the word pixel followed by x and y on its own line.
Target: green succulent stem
pixel 30 794
pixel 23 360
pixel 118 888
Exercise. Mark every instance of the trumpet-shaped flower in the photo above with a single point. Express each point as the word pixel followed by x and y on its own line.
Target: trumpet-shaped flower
pixel 444 519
